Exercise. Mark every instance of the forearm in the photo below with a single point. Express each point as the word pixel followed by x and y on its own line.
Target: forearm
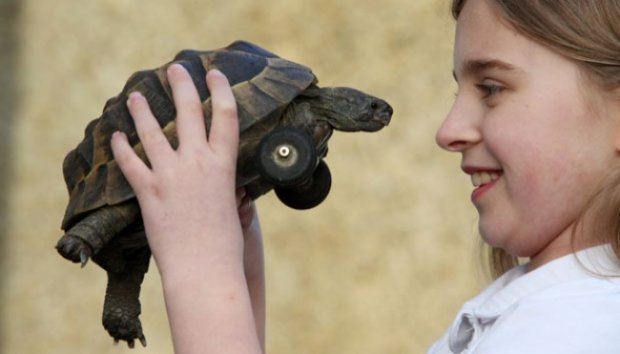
pixel 208 304
pixel 255 275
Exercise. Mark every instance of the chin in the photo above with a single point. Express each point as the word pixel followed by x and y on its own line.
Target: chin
pixel 504 241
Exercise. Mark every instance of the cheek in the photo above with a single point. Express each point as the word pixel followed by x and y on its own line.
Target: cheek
pixel 540 186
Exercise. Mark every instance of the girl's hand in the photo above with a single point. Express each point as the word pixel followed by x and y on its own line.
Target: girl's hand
pixel 190 191
pixel 188 204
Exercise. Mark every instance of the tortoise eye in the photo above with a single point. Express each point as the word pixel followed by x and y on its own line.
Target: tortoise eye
pixel 374 105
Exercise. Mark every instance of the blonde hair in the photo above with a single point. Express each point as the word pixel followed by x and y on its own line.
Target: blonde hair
pixel 587 32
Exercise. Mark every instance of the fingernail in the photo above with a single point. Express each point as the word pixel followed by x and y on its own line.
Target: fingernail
pixel 215 72
pixel 133 96
pixel 118 135
pixel 175 67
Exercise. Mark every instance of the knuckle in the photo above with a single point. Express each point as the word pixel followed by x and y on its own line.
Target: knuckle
pixel 228 168
pixel 194 109
pixel 152 137
pixel 195 152
pixel 227 109
pixel 123 158
pixel 151 188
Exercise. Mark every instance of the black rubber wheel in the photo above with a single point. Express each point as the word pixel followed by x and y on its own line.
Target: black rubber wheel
pixel 309 194
pixel 286 157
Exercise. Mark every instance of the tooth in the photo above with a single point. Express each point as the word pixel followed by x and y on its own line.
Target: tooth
pixel 485 178
pixel 480 178
pixel 475 179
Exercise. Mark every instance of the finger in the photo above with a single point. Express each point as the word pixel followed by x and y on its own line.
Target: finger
pixel 133 168
pixel 246 212
pixel 239 195
pixel 155 144
pixel 224 134
pixel 190 117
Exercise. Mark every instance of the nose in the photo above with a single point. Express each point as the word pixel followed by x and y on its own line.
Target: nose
pixel 388 109
pixel 460 129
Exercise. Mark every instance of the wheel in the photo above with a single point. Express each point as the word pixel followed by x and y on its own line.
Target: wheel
pixel 286 157
pixel 309 194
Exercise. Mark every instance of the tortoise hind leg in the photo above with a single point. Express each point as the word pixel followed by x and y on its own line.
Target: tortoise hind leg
pixel 122 305
pixel 91 234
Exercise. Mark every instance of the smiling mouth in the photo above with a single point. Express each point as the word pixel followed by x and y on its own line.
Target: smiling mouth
pixel 481 178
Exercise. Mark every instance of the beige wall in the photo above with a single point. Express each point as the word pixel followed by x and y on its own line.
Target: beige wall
pixel 381 267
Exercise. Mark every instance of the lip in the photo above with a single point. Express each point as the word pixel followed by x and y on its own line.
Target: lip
pixel 474 169
pixel 479 191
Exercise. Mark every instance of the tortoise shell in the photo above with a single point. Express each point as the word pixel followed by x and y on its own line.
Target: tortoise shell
pixel 262 83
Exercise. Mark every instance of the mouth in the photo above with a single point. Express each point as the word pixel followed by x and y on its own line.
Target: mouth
pixel 479 179
pixel 483 180
pixel 375 124
pixel 380 121
pixel 385 119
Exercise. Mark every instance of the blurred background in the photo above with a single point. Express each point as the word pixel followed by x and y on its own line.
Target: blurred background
pixel 382 266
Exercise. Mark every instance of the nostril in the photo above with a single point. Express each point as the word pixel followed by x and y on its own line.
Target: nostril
pixel 456 146
pixel 449 142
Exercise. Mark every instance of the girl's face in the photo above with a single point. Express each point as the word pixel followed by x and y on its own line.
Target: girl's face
pixel 536 137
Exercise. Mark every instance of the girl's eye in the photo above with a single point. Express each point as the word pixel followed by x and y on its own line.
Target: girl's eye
pixel 489 90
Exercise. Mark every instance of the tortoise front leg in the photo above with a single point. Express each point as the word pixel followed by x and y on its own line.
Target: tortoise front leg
pixel 91 234
pixel 122 305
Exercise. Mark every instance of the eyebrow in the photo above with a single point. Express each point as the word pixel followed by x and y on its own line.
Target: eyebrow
pixel 473 67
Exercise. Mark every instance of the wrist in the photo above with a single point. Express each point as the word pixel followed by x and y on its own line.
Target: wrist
pixel 197 252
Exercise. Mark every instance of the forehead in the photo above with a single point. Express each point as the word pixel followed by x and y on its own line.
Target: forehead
pixel 483 35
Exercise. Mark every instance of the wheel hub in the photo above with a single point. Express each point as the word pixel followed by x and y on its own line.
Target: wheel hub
pixel 285 155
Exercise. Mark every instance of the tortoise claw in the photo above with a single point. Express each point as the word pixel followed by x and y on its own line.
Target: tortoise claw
pixel 131 342
pixel 84 256
pixel 125 328
pixel 74 249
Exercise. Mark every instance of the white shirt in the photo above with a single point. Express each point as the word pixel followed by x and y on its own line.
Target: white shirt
pixel 561 307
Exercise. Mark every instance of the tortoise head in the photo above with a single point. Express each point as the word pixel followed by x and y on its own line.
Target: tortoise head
pixel 348 109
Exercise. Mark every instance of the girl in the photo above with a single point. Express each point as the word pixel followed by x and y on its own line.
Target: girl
pixel 537 122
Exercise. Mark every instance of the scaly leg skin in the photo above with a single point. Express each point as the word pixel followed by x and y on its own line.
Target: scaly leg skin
pixel 91 234
pixel 122 306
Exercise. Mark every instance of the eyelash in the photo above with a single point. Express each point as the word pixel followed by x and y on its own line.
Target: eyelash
pixel 489 90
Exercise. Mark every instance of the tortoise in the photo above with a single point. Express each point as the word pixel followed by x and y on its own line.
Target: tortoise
pixel 285 122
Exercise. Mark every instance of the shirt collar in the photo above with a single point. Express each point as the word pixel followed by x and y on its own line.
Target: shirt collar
pixel 515 284
pixel 518 284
